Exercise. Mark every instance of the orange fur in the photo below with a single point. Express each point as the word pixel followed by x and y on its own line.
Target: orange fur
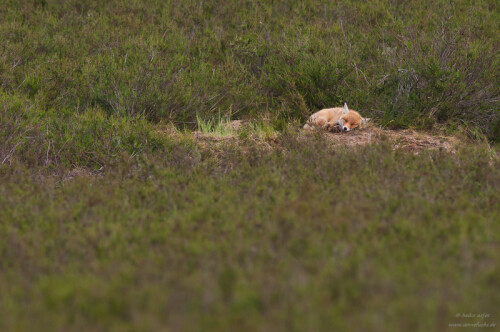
pixel 328 118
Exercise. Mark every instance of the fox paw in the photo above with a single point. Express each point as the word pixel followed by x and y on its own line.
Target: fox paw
pixel 335 128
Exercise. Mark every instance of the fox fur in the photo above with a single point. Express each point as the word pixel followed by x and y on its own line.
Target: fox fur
pixel 336 119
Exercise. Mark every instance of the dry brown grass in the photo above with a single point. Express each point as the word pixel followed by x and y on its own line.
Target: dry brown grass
pixel 406 139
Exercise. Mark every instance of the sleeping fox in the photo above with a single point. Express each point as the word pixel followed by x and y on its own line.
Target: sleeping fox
pixel 336 119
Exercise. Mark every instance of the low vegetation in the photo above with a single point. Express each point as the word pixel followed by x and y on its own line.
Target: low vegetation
pixel 406 64
pixel 300 236
pixel 153 175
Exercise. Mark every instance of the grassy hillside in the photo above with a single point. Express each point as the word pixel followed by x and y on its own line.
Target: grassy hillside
pixel 111 219
pixel 410 63
pixel 301 236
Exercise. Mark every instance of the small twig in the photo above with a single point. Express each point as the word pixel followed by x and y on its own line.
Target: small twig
pixel 10 152
pixel 16 63
pixel 163 36
pixel 152 55
pixel 47 155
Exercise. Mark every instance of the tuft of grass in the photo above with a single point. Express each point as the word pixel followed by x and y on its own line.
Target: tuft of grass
pixel 262 129
pixel 219 127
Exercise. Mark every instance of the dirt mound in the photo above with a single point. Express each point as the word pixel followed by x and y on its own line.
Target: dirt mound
pixel 406 139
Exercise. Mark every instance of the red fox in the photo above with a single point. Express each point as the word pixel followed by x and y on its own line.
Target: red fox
pixel 336 119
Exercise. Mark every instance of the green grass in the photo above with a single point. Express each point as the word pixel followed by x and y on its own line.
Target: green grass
pixel 303 236
pixel 263 130
pixel 405 64
pixel 110 222
pixel 220 126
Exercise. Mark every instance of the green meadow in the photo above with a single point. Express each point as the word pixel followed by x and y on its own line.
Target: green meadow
pixel 128 203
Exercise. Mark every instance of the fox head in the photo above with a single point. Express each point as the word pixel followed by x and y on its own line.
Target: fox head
pixel 351 119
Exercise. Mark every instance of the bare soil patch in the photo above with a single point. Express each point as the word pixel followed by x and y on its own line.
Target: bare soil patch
pixel 406 139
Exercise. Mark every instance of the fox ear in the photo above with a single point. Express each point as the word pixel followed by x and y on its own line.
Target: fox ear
pixel 346 109
pixel 364 121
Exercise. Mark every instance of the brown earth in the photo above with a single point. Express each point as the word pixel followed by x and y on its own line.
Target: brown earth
pixel 405 139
